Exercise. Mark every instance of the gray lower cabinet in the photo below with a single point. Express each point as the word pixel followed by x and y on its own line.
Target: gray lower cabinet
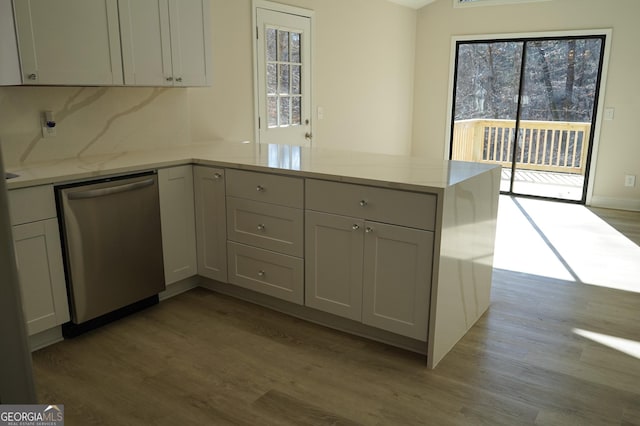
pixel 265 233
pixel 361 268
pixel 397 279
pixel 211 222
pixel 333 264
pixel 371 272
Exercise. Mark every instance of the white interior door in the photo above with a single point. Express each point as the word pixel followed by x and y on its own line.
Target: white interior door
pixel 284 78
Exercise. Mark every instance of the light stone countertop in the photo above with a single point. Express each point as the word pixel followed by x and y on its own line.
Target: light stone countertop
pixel 391 171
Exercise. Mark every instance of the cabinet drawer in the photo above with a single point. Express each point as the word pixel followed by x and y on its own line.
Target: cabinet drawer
pixel 383 205
pixel 264 271
pixel 267 226
pixel 31 204
pixel 265 187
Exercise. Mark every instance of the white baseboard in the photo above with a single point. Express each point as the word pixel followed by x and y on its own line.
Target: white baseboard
pixel 615 203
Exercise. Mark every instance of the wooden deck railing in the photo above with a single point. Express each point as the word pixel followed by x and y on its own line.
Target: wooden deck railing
pixel 556 146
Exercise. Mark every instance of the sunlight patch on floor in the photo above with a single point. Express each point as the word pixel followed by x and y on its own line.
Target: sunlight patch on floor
pixel 564 241
pixel 629 347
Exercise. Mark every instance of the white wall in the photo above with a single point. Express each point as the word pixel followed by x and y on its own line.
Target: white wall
pixel 363 62
pixel 619 144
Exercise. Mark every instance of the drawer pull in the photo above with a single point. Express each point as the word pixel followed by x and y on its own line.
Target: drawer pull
pixel 260 188
pixel 261 273
pixel 355 227
pixel 368 230
pixel 217 175
pixel 261 227
pixel 363 203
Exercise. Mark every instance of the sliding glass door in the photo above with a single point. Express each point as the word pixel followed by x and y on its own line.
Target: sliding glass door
pixel 529 106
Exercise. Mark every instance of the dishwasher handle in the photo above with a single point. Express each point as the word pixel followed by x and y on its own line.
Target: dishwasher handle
pixel 94 193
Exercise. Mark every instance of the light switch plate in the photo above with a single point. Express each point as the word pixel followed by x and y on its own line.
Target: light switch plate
pixel 609 113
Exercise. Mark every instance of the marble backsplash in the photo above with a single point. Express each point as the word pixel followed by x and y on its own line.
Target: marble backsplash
pixel 90 121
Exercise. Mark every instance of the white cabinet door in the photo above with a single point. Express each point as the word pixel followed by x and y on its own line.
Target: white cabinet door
pixel 165 42
pixel 333 264
pixel 9 62
pixel 178 223
pixel 146 42
pixel 39 258
pixel 69 42
pixel 190 22
pixel 211 222
pixel 397 279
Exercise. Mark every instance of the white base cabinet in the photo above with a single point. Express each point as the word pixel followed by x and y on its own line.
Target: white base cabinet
pixel 39 257
pixel 177 215
pixel 211 222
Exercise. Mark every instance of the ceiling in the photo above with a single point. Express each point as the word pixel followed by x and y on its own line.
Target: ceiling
pixel 414 4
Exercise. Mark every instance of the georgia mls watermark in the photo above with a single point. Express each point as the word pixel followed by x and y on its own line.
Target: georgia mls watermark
pixel 31 415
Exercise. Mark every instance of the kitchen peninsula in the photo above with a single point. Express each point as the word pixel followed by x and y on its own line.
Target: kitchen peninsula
pixel 409 240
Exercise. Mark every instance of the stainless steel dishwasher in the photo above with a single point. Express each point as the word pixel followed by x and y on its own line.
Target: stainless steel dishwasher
pixel 112 248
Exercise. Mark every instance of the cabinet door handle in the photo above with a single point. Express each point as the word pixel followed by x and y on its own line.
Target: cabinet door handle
pixel 260 188
pixel 32 76
pixel 261 273
pixel 368 230
pixel 179 79
pixel 261 227
pixel 363 203
pixel 169 78
pixel 217 175
pixel 355 227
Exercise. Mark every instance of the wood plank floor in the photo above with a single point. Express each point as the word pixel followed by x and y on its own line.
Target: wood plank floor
pixel 204 358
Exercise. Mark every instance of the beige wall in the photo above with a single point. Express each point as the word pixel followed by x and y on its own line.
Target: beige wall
pixel 363 75
pixel 619 143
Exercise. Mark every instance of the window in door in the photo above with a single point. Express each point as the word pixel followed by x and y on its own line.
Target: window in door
pixel 529 105
pixel 283 78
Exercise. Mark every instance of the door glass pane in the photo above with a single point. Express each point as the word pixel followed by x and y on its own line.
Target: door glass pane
pixel 283 79
pixel 284 113
pixel 296 111
pixel 485 107
pixel 295 79
pixel 272 79
pixel 271 44
pixel 272 111
pixel 560 84
pixel 283 46
pixel 295 47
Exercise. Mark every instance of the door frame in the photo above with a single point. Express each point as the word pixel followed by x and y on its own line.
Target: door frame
pixel 599 108
pixel 292 10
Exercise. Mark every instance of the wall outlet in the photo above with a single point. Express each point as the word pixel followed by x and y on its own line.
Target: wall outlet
pixel 48 124
pixel 630 181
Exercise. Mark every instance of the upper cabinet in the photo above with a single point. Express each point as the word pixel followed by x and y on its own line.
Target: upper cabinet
pixel 114 42
pixel 69 42
pixel 9 62
pixel 166 42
